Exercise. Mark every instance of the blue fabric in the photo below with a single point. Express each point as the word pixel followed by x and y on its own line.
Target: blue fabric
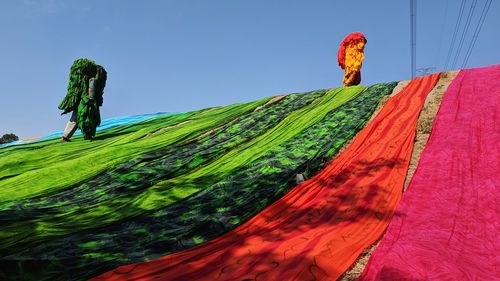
pixel 105 124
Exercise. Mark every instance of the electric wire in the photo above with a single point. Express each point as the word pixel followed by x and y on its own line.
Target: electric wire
pixel 479 25
pixel 464 32
pixel 438 54
pixel 455 32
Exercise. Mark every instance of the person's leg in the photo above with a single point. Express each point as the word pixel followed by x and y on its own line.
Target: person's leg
pixel 348 81
pixel 347 74
pixel 70 127
pixel 357 78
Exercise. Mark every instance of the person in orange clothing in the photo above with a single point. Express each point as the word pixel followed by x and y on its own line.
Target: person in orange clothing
pixel 350 57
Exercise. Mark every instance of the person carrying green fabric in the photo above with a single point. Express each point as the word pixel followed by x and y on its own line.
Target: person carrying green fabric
pixel 86 84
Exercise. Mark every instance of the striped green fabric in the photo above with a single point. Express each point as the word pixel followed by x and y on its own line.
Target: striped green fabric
pixel 48 167
pixel 171 161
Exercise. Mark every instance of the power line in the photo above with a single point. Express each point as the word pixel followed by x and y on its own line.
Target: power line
pixel 455 32
pixel 479 25
pixel 464 32
pixel 438 54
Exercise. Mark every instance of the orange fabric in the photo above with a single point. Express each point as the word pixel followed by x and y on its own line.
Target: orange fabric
pixel 353 62
pixel 350 58
pixel 353 59
pixel 352 38
pixel 319 228
pixel 31 139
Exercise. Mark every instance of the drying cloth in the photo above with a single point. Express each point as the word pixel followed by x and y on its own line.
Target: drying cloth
pixel 319 228
pixel 205 215
pixel 447 225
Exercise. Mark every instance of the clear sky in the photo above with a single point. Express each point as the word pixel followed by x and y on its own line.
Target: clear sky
pixel 182 55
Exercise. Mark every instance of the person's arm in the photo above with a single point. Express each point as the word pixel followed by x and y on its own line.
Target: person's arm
pixel 91 90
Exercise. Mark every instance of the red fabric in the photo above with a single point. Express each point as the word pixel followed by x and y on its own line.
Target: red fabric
pixel 352 37
pixel 447 226
pixel 319 228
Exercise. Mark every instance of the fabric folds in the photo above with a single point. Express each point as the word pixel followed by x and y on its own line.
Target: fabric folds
pixel 319 228
pixel 447 225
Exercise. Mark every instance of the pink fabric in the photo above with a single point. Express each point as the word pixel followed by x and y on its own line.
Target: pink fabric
pixel 447 226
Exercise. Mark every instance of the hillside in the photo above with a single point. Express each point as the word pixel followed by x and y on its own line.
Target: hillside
pixel 214 193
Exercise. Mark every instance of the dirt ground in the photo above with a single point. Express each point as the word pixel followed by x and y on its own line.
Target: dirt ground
pixel 426 119
pixel 424 127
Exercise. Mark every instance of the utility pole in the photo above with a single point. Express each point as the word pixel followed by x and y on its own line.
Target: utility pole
pixel 413 37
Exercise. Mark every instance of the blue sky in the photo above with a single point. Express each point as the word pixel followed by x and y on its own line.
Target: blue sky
pixel 184 55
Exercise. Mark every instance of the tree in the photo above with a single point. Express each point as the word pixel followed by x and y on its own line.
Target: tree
pixel 8 138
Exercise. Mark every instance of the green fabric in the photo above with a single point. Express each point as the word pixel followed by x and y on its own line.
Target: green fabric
pixel 43 168
pixel 81 71
pixel 77 98
pixel 166 192
pixel 171 190
pixel 84 216
pixel 15 161
pixel 168 162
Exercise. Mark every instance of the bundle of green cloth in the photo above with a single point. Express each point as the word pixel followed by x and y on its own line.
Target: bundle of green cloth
pixel 85 74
